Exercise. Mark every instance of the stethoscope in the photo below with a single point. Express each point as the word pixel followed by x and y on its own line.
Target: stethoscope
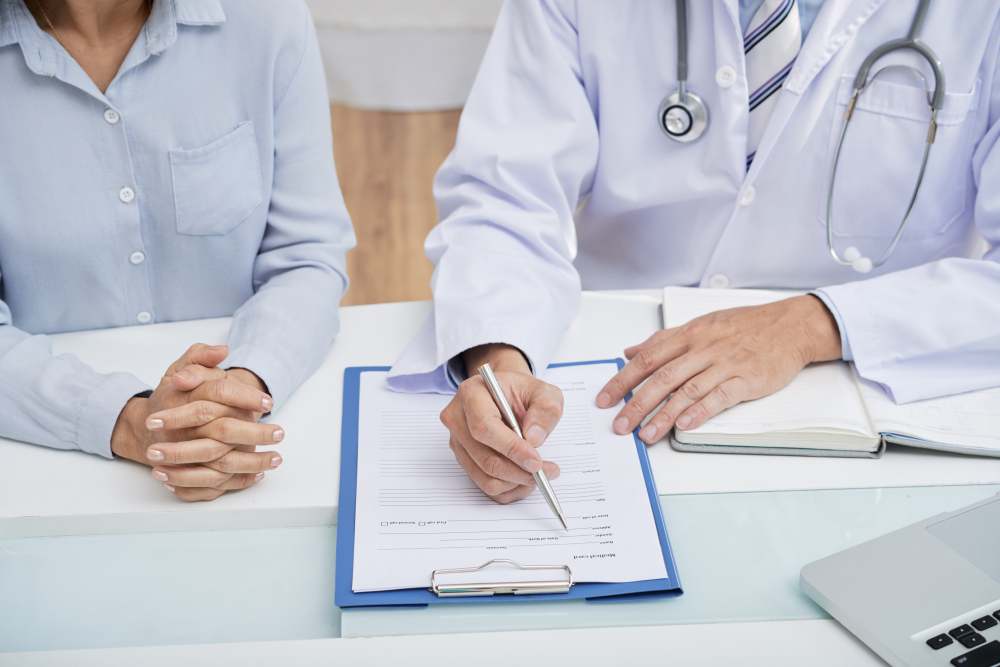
pixel 683 117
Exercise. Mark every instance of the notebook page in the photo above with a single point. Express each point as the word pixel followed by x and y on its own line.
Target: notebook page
pixel 417 511
pixel 964 422
pixel 822 398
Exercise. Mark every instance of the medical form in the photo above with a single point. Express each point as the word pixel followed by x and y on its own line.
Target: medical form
pixel 417 511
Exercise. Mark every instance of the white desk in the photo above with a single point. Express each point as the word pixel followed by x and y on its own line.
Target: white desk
pixel 50 494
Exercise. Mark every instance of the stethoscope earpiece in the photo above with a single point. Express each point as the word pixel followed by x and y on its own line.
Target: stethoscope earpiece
pixel 858 262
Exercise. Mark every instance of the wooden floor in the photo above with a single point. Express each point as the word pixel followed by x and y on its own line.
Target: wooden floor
pixel 386 163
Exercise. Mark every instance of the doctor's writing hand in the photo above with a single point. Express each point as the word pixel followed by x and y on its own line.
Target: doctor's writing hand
pixel 199 428
pixel 716 361
pixel 498 462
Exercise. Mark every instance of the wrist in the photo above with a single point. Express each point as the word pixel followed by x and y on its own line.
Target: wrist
pixel 500 356
pixel 128 435
pixel 822 334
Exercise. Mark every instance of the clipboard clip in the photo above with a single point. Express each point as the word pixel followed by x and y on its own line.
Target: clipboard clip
pixel 488 588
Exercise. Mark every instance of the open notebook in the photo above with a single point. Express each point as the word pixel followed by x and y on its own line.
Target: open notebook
pixel 828 410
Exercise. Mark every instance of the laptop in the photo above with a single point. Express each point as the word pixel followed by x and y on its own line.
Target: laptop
pixel 928 594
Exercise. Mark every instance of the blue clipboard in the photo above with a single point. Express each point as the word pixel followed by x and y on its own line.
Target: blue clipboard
pixel 346 597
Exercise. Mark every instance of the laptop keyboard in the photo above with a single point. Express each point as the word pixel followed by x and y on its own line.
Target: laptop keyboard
pixel 984 653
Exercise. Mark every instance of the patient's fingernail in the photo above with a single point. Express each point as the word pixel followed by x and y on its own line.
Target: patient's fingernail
pixel 275 461
pixel 535 435
pixel 621 426
pixel 683 422
pixel 170 488
pixel 162 476
pixel 154 455
pixel 259 476
pixel 267 403
pixel 154 424
pixel 278 435
pixel 604 400
pixel 648 433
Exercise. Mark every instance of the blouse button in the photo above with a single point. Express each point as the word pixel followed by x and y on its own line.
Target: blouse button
pixel 144 318
pixel 126 195
pixel 112 116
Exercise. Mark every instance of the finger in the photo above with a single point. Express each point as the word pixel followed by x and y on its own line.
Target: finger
pixel 491 486
pixel 545 408
pixel 240 482
pixel 722 397
pixel 192 451
pixel 190 475
pixel 485 425
pixel 642 364
pixel 494 465
pixel 234 393
pixel 196 494
pixel 238 461
pixel 201 354
pixel 680 400
pixel 512 496
pixel 191 376
pixel 664 381
pixel 661 335
pixel 238 432
pixel 193 415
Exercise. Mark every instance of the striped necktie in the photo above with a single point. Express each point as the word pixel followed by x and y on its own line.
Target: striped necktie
pixel 771 43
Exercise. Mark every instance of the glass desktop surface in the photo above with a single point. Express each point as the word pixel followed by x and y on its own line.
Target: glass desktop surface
pixel 738 556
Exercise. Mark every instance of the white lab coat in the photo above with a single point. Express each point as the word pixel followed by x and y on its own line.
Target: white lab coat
pixel 561 178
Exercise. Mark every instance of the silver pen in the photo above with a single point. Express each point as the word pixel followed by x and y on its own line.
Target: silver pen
pixel 486 372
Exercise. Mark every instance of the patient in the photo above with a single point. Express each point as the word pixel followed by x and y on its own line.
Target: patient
pixel 165 160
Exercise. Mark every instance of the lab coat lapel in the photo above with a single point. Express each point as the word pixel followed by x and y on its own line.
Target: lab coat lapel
pixel 837 22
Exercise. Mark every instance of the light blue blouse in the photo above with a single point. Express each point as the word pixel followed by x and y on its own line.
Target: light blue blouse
pixel 201 184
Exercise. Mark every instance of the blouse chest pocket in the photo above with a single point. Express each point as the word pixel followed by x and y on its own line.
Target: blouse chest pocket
pixel 881 158
pixel 217 186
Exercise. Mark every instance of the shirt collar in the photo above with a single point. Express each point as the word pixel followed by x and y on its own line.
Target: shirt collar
pixel 161 27
pixel 8 35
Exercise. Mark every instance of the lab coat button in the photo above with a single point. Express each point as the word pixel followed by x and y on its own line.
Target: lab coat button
pixel 725 76
pixel 144 318
pixel 112 116
pixel 747 196
pixel 138 257
pixel 718 281
pixel 126 195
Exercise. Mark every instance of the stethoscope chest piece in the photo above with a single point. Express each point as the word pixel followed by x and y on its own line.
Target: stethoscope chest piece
pixel 683 116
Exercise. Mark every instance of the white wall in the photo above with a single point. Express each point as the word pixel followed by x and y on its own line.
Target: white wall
pixel 404 55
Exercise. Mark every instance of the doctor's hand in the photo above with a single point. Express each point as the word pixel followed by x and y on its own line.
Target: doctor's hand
pixel 498 462
pixel 716 361
pixel 198 428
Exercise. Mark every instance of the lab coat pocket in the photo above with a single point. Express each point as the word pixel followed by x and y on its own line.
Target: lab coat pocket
pixel 217 186
pixel 881 157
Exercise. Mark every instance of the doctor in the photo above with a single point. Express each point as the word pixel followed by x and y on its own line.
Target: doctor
pixel 573 169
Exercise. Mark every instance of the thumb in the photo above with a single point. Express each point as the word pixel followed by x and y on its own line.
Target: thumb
pixel 544 403
pixel 200 354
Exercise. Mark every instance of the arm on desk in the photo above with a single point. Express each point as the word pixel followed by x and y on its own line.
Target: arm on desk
pixel 285 330
pixel 525 154
pixel 934 330
pixel 57 401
